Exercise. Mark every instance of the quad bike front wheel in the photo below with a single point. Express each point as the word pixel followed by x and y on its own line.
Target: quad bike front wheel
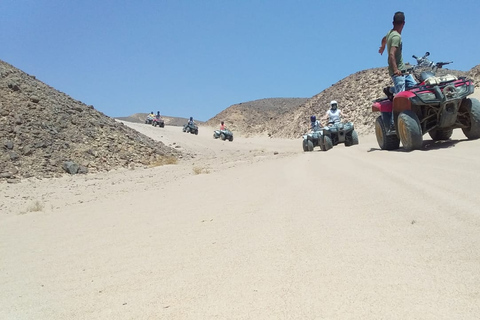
pixel 440 134
pixel 230 138
pixel 215 136
pixel 196 132
pixel 327 143
pixel 385 142
pixel 351 139
pixel 472 107
pixel 409 130
pixel 222 136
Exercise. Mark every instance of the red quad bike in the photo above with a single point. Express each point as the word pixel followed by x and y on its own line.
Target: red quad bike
pixel 437 105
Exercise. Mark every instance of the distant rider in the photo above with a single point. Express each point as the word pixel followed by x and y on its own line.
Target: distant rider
pixel 314 124
pixel 158 115
pixel 334 114
pixel 222 126
pixel 151 115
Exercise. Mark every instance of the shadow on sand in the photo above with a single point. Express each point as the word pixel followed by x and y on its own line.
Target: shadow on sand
pixel 427 145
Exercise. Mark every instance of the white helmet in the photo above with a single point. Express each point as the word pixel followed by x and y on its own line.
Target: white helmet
pixel 333 104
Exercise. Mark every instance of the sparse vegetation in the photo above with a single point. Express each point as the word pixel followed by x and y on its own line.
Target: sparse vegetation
pixel 164 161
pixel 35 207
pixel 200 170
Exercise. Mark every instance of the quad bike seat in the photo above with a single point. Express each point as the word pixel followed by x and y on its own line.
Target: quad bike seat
pixel 389 92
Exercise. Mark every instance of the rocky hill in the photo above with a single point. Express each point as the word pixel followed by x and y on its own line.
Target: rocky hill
pixel 46 133
pixel 250 118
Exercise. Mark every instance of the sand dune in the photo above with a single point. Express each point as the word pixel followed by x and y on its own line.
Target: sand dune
pixel 265 231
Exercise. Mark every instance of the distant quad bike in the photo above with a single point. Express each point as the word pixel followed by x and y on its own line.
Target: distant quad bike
pixel 190 128
pixel 149 120
pixel 339 132
pixel 158 122
pixel 437 105
pixel 223 135
pixel 312 140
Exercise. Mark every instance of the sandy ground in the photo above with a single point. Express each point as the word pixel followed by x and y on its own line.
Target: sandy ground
pixel 265 231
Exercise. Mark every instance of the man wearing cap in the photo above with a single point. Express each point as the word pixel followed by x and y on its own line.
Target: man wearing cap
pixel 396 67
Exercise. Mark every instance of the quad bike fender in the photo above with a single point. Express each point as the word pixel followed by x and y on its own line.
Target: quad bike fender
pixel 401 101
pixel 382 106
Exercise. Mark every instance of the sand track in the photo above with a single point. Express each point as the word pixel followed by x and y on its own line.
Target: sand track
pixel 353 233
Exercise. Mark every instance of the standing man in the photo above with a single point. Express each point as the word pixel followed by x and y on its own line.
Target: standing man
pixel 396 68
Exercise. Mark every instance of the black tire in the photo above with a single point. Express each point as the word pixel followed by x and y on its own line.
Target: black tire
pixel 472 106
pixel 230 138
pixel 327 143
pixel 196 132
pixel 222 136
pixel 440 134
pixel 351 139
pixel 309 145
pixel 385 142
pixel 162 125
pixel 215 136
pixel 409 130
pixel 304 145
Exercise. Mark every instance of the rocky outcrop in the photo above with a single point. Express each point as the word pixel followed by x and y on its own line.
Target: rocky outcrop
pixel 46 133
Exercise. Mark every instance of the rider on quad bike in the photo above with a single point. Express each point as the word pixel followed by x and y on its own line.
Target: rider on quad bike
pixel 224 133
pixel 337 132
pixel 437 105
pixel 313 138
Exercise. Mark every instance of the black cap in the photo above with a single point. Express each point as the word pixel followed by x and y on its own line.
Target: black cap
pixel 399 17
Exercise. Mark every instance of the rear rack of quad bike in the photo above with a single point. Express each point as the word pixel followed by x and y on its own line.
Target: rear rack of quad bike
pixel 444 91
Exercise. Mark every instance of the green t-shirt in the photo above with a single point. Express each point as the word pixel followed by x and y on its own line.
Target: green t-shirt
pixel 394 39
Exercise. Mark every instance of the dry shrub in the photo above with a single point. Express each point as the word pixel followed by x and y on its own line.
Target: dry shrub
pixel 35 207
pixel 200 170
pixel 161 161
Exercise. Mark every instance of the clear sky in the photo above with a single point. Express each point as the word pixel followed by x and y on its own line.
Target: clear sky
pixel 197 57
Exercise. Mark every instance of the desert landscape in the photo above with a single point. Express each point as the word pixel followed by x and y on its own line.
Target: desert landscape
pixel 191 227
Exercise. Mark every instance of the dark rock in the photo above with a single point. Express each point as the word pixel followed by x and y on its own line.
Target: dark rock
pixel 13 155
pixel 35 99
pixel 6 175
pixel 9 144
pixel 70 167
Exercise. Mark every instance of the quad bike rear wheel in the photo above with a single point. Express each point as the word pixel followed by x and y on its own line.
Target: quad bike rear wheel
pixel 196 131
pixel 327 143
pixel 230 138
pixel 351 139
pixel 409 130
pixel 440 134
pixel 472 106
pixel 385 142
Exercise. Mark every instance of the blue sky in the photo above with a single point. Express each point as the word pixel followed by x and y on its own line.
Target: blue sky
pixel 196 58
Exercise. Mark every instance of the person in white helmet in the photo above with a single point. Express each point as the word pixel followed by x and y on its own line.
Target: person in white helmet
pixel 334 115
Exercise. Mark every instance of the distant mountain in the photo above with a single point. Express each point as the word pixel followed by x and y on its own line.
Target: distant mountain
pixel 251 117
